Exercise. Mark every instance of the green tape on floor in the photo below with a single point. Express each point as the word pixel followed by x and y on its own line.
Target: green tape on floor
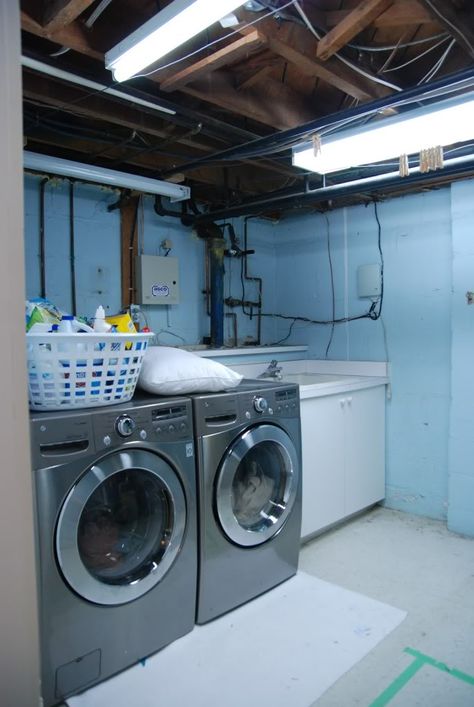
pixel 441 666
pixel 420 660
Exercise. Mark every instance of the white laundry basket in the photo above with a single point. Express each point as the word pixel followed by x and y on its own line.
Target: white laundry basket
pixel 68 371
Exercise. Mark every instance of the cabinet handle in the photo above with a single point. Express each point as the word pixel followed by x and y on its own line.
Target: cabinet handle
pixel 349 399
pixel 342 402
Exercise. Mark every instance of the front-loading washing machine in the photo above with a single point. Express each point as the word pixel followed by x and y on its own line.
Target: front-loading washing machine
pixel 115 497
pixel 249 487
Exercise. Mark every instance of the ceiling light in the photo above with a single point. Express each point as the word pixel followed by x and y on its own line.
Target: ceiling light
pixel 171 27
pixel 101 175
pixel 444 123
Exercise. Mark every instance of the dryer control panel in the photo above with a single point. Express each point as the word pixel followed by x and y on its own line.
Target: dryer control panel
pixel 217 412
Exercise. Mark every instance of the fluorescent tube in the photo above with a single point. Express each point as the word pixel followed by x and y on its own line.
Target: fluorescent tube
pixel 171 27
pixel 100 175
pixel 443 123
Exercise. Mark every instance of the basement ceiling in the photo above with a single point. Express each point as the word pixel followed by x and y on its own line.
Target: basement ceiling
pixel 228 86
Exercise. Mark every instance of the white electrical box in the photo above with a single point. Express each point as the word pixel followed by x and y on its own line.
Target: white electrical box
pixel 157 279
pixel 369 281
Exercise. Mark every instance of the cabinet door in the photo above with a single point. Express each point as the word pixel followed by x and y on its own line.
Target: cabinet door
pixel 322 427
pixel 365 448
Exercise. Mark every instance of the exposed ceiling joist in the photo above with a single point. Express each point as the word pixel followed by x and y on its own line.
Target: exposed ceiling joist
pixel 59 13
pixel 73 36
pixel 271 103
pixel 458 22
pixel 357 20
pixel 400 14
pixel 239 49
pixel 108 111
pixel 345 80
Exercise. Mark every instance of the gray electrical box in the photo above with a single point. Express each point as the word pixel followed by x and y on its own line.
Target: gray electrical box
pixel 157 279
pixel 369 281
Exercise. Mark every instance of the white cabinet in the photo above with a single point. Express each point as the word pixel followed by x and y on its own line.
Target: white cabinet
pixel 343 441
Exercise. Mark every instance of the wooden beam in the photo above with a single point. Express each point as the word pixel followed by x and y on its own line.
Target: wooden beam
pixel 129 240
pixel 110 112
pixel 240 49
pixel 400 14
pixel 272 103
pixel 72 36
pixel 338 76
pixel 459 23
pixel 298 46
pixel 59 13
pixel 103 109
pixel 357 20
pixel 254 78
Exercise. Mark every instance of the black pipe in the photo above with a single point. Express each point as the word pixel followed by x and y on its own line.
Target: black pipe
pixel 162 211
pixel 253 279
pixel 314 196
pixel 72 253
pixel 279 140
pixel 42 239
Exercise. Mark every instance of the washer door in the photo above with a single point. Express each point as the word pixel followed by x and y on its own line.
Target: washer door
pixel 121 527
pixel 257 484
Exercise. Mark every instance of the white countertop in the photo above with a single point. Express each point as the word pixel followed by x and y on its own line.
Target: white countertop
pixel 317 378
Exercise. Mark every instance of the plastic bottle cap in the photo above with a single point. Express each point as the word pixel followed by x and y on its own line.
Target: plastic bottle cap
pixel 67 317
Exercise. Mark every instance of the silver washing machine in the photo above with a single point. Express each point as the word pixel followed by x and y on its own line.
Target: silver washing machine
pixel 117 540
pixel 249 487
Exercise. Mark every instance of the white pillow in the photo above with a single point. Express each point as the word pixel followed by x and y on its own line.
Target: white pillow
pixel 169 371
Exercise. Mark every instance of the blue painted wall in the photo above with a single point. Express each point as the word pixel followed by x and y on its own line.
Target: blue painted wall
pixel 461 441
pixel 416 244
pixel 98 269
pixel 426 330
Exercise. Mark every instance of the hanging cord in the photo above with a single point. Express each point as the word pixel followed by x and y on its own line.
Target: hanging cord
pixel 215 41
pixel 373 313
pixel 333 299
pixel 379 244
pixel 345 61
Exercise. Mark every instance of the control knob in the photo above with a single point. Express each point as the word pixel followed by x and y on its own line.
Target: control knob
pixel 125 425
pixel 260 404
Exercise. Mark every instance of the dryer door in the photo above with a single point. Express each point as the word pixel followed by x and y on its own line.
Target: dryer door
pixel 121 527
pixel 257 485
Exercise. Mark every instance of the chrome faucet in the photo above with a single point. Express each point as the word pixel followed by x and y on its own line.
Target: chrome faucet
pixel 272 371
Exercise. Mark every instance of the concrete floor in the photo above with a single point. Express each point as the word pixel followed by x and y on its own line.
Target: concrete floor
pixel 417 565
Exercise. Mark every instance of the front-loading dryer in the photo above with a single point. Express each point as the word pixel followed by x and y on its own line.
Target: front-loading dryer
pixel 249 487
pixel 116 529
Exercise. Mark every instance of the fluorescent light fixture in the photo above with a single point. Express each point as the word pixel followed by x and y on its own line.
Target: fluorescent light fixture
pixel 444 123
pixel 175 24
pixel 94 85
pixel 100 175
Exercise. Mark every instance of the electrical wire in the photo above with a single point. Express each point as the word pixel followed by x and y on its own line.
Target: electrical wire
pixel 415 58
pixel 373 313
pixel 434 69
pixel 211 44
pixel 438 12
pixel 345 61
pixel 333 298
pixel 402 45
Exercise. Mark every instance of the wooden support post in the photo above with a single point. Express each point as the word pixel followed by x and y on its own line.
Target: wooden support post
pixel 129 240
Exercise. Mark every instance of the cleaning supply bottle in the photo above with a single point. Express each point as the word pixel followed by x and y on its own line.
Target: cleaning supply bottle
pixel 65 326
pixel 100 325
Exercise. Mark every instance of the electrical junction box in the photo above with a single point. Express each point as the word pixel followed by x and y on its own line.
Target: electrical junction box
pixel 369 281
pixel 157 279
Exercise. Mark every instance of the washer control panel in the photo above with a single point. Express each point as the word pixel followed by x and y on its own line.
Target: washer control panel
pixel 125 425
pixel 152 423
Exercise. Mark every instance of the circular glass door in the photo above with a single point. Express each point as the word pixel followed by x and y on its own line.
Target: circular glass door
pixel 257 485
pixel 121 527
